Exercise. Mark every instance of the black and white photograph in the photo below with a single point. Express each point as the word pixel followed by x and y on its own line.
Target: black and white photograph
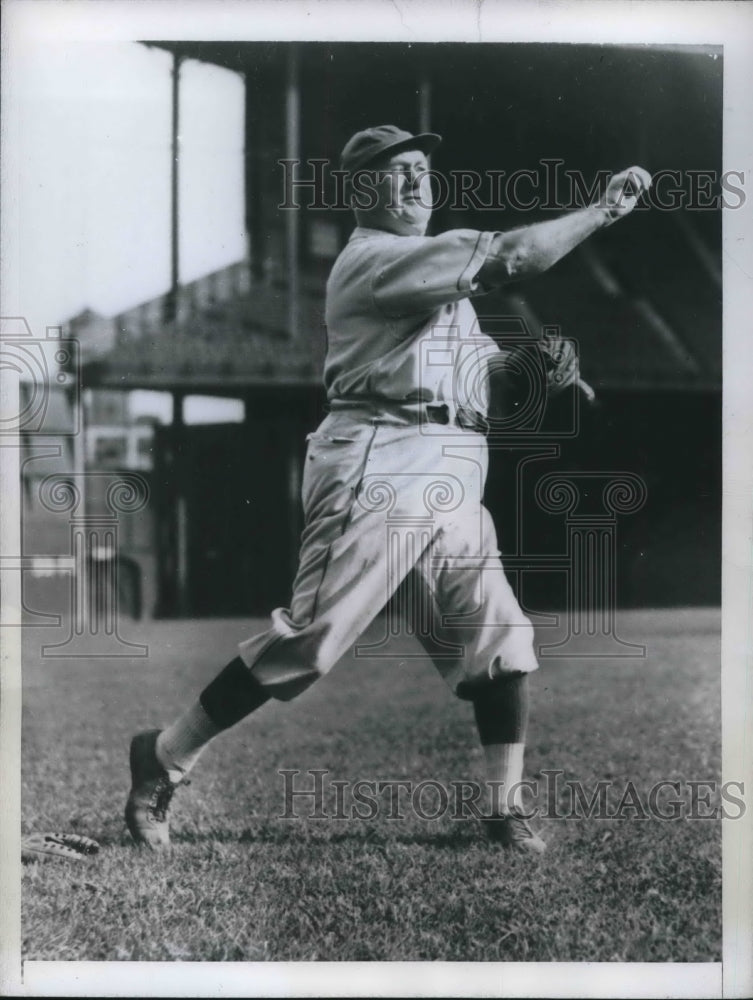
pixel 370 628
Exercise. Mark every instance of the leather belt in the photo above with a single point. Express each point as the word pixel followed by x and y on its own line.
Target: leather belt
pixel 432 413
pixel 467 419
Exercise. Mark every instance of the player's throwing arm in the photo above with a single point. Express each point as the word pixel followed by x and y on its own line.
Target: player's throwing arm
pixel 523 253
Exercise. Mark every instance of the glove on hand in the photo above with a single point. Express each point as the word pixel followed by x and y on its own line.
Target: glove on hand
pixel 560 363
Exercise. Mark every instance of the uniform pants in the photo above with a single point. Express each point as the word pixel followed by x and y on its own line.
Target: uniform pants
pixel 393 517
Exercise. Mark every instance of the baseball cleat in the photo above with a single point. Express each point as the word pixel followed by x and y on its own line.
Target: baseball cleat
pixel 513 832
pixel 151 793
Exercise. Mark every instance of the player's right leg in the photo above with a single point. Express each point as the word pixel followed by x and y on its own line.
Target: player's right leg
pixel 160 761
pixel 340 587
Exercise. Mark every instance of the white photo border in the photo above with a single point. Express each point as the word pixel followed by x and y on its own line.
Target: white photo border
pixel 679 23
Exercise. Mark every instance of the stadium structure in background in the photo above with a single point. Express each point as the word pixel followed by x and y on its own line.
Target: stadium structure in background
pixel 648 324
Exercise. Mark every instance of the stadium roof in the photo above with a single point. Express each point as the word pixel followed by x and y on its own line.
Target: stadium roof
pixel 643 299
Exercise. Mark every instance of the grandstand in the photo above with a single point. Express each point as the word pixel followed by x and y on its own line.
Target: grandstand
pixel 643 300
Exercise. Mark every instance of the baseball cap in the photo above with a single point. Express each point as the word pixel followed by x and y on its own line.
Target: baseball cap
pixel 367 145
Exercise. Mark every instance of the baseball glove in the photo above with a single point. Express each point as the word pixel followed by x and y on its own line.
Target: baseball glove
pixel 56 846
pixel 527 375
pixel 560 363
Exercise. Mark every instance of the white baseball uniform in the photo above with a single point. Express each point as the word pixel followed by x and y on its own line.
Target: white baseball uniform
pixel 394 475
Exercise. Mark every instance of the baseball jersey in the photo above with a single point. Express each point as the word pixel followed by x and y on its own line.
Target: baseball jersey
pixel 400 325
pixel 385 502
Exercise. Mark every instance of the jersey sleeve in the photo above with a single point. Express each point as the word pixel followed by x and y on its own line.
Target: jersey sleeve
pixel 422 273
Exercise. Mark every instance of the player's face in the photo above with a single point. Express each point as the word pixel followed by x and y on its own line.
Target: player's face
pixel 404 197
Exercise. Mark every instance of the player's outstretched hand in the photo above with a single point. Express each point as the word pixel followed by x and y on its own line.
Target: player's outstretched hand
pixel 624 190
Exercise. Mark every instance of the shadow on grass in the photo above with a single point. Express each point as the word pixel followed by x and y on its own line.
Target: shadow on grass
pixel 460 838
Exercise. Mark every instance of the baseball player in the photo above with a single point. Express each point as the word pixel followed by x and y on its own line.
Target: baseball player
pixel 394 477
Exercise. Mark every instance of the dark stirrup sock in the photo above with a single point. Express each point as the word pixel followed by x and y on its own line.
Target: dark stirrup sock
pixel 232 695
pixel 501 710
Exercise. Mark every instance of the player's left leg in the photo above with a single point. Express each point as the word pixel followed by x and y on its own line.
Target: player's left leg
pixel 501 712
pixel 471 607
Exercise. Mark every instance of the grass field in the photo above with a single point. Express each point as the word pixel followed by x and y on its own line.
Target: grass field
pixel 243 884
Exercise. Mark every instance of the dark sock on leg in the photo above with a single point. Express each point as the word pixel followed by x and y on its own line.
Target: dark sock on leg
pixel 501 710
pixel 232 695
